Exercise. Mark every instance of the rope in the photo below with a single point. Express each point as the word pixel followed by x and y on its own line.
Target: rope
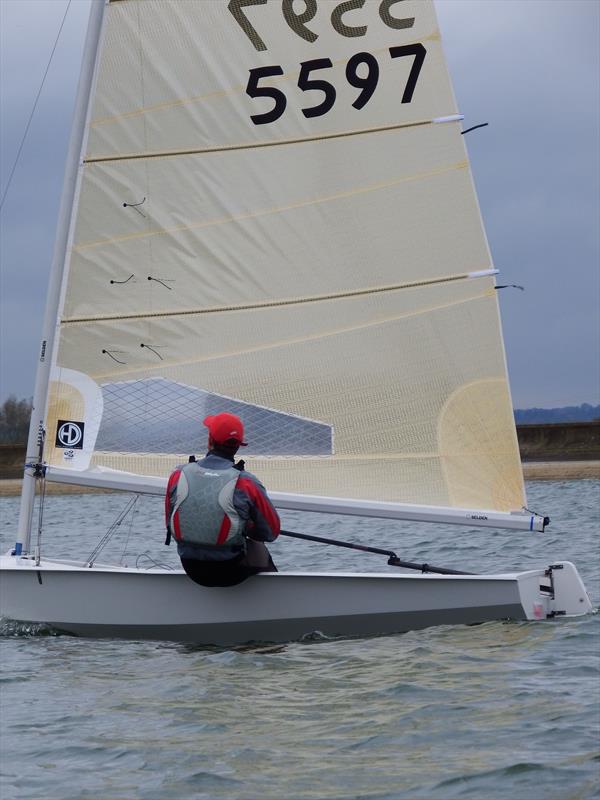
pixel 125 545
pixel 109 533
pixel 153 561
pixel 12 172
pixel 38 547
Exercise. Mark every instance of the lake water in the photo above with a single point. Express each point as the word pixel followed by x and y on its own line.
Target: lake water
pixel 494 711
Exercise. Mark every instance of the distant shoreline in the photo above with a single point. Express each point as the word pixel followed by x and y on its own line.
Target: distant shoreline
pixel 532 471
pixel 560 470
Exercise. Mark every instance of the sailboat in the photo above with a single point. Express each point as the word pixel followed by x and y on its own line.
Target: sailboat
pixel 268 209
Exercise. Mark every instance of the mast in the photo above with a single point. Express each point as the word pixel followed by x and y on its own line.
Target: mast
pixel 35 441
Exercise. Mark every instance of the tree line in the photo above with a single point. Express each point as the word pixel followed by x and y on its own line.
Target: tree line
pixel 14 420
pixel 536 416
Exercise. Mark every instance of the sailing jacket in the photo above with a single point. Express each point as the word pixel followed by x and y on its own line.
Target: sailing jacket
pixel 245 511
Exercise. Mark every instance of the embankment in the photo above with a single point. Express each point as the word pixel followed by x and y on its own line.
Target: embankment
pixel 560 451
pixel 561 441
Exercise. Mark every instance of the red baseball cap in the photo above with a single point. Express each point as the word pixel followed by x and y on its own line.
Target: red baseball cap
pixel 223 427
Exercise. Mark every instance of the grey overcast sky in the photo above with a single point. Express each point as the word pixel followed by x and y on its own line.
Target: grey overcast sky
pixel 528 67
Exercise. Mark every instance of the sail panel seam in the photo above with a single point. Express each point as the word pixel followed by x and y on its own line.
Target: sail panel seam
pixel 433 173
pixel 239 89
pixel 147 369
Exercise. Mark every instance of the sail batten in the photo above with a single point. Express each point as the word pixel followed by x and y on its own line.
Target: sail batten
pixel 286 301
pixel 270 143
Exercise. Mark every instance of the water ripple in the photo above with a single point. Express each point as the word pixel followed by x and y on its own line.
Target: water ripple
pixel 501 711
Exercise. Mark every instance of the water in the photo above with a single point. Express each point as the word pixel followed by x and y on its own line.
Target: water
pixel 494 711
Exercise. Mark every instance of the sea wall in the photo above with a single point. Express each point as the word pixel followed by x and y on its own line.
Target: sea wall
pixel 560 441
pixel 563 441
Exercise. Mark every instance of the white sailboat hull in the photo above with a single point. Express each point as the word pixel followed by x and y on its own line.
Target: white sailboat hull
pixel 163 604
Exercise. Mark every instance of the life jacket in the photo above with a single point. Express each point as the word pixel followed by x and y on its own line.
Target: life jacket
pixel 203 512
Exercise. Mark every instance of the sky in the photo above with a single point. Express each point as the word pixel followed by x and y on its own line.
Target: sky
pixel 529 68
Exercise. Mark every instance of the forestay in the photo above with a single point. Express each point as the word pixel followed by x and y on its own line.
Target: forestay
pixel 273 221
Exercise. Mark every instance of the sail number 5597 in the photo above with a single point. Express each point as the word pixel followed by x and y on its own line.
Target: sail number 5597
pixel 362 72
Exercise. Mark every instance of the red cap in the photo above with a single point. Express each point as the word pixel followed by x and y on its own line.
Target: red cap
pixel 223 427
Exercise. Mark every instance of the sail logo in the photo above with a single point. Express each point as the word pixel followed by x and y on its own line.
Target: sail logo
pixel 69 434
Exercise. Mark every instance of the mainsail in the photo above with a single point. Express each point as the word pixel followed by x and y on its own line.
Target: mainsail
pixel 276 216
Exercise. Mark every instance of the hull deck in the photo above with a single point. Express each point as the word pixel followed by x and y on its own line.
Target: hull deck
pixel 107 601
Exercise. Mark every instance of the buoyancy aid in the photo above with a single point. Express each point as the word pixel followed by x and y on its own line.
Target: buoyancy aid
pixel 203 512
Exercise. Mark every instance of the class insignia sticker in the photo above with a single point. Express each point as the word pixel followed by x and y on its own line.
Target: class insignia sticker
pixel 69 434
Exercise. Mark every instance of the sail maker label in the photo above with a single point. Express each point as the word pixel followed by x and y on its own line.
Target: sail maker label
pixel 69 434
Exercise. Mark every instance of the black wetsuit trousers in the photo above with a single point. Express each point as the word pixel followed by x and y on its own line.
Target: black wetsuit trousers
pixel 233 571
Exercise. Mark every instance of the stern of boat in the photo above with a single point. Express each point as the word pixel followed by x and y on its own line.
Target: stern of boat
pixel 557 591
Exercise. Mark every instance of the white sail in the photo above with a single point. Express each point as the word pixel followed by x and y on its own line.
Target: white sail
pixel 272 221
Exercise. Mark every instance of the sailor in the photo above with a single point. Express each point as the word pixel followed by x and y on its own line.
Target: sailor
pixel 219 514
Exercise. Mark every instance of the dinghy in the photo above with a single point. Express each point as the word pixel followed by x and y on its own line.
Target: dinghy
pixel 268 210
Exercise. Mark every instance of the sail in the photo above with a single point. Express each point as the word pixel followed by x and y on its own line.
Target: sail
pixel 276 217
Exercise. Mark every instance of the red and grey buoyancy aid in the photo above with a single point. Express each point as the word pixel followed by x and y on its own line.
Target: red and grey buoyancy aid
pixel 203 513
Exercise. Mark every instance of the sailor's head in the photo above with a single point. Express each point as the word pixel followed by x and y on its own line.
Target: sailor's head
pixel 225 432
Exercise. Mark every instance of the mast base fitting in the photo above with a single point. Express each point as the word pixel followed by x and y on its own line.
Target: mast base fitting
pixel 39 470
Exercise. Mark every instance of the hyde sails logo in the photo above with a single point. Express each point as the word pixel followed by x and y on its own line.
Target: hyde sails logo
pixel 69 434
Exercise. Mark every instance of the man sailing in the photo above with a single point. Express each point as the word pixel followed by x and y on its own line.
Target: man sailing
pixel 219 514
